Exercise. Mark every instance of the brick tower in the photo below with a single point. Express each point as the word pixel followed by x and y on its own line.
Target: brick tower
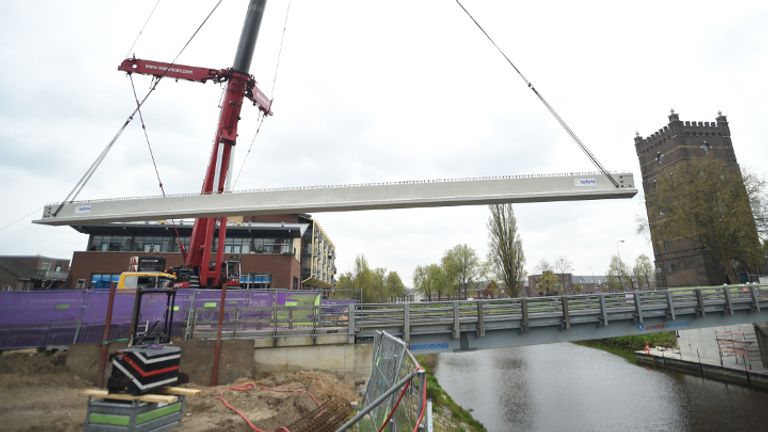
pixel 681 262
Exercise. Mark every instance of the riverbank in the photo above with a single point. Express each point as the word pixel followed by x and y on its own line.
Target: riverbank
pixel 663 354
pixel 451 416
pixel 754 377
pixel 625 346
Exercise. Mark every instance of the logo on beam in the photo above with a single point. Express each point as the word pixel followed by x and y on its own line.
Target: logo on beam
pixel 585 182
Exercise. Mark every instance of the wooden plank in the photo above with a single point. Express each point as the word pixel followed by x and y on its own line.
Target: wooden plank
pixel 180 391
pixel 156 398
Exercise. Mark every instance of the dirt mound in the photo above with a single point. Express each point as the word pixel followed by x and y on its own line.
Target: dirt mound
pixel 278 400
pixel 38 393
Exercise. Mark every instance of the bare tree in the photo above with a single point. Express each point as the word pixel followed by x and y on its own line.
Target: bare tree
pixel 562 266
pixel 505 248
pixel 757 193
pixel 544 266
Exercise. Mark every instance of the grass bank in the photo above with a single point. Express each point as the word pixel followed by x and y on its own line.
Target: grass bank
pixel 462 419
pixel 625 346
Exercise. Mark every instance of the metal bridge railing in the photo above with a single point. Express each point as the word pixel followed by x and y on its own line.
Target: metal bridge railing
pixel 34 319
pixel 249 322
pixel 396 396
pixel 455 317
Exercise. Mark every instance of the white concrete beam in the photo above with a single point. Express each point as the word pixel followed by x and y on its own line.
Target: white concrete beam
pixel 374 196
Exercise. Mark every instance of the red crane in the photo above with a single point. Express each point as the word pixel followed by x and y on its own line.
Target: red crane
pixel 240 85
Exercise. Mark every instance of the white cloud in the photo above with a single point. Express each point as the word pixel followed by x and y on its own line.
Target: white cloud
pixel 378 91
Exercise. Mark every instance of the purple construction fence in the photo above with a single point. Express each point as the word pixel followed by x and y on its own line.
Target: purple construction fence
pixel 43 318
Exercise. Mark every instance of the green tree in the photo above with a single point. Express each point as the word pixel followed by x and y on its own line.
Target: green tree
pixel 362 278
pixel 505 249
pixel 438 281
pixel 549 282
pixel 705 202
pixel 394 285
pixel 430 281
pixel 462 267
pixel 420 282
pixel 618 275
pixel 378 287
pixel 345 287
pixel 345 281
pixel 372 285
pixel 492 290
pixel 644 272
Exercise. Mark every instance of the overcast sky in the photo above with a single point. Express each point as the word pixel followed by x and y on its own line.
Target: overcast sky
pixel 377 91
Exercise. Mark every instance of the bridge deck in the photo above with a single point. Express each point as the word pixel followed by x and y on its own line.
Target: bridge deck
pixel 451 326
pixel 478 324
pixel 433 193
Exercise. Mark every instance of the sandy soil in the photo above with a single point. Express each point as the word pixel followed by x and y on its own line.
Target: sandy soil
pixel 38 393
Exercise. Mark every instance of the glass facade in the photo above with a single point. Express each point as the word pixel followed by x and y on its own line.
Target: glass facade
pixel 103 280
pixel 156 244
pixel 150 244
pixel 256 280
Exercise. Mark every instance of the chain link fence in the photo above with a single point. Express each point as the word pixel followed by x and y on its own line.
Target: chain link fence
pixel 396 396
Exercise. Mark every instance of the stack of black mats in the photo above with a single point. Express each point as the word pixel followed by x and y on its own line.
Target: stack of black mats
pixel 143 368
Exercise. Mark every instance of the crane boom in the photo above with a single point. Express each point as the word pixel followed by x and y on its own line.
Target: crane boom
pixel 240 85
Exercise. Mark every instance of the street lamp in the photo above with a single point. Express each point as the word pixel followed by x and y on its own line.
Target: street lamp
pixel 621 266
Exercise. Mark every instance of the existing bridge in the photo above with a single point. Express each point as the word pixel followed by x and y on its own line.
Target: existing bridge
pixel 462 325
pixel 479 324
pixel 372 196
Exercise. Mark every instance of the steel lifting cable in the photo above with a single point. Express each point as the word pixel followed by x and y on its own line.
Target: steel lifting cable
pixel 10 224
pixel 142 29
pixel 543 101
pixel 157 171
pixel 72 195
pixel 146 138
pixel 271 94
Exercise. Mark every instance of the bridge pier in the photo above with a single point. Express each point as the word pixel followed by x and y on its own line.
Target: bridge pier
pixel 761 332
pixel 350 362
pixel 480 318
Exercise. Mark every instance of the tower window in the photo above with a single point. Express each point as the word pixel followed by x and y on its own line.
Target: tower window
pixel 705 147
pixel 659 157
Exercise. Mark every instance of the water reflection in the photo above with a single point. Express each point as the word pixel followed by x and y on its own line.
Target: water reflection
pixel 566 387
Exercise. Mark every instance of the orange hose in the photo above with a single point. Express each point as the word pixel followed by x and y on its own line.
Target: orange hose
pixel 250 386
pixel 240 413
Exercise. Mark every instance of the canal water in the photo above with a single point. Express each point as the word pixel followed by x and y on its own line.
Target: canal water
pixel 567 387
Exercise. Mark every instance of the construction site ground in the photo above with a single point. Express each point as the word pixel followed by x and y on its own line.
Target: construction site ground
pixel 39 393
